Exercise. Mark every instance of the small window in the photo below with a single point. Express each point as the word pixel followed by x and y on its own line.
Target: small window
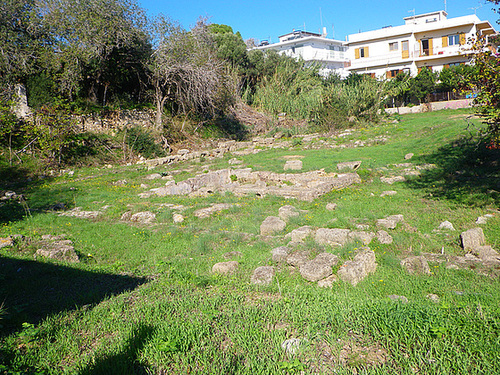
pixel 393 46
pixel 394 73
pixel 453 40
pixel 363 52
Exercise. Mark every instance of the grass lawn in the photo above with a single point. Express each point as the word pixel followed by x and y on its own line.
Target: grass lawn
pixel 143 299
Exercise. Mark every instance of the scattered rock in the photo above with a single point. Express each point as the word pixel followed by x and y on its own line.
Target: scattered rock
pixel 6 242
pixel 384 237
pixel 446 225
pixel 291 346
pixel 280 254
pixel 433 297
pixel 78 212
pixel 57 249
pixel 126 216
pixel 350 165
pixel 408 156
pixel 333 237
pixel 272 225
pixel 328 282
pixel 481 220
pixel 294 165
pixel 392 180
pixel 485 252
pixel 153 176
pixel 300 234
pixel 388 193
pixel 353 271
pixel 472 238
pixel 262 275
pixel 390 222
pixel 395 297
pixel 416 265
pixel 286 212
pixel 120 183
pixel 225 268
pixel 298 258
pixel 144 217
pixel 331 206
pixel 177 218
pixel 203 213
pixel 318 268
pixel 235 161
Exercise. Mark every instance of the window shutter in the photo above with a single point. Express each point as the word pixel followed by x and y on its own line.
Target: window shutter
pixel 388 74
pixel 462 39
pixel 446 65
pixel 356 53
pixel 430 47
pixel 366 52
pixel 445 41
pixel 420 44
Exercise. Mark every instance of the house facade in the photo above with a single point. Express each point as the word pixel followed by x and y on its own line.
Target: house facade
pixel 313 48
pixel 431 40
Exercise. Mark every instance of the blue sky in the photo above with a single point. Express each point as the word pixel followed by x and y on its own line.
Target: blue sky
pixel 264 20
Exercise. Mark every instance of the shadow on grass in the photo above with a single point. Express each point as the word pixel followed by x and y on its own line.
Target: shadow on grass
pixel 30 291
pixel 466 172
pixel 126 361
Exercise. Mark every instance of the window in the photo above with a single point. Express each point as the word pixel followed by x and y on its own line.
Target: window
pixel 453 40
pixel 405 51
pixel 361 52
pixel 393 46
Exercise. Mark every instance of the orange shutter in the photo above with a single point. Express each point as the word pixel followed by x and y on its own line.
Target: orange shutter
pixel 445 41
pixel 420 44
pixel 430 47
pixel 462 39
pixel 356 53
pixel 388 74
pixel 366 51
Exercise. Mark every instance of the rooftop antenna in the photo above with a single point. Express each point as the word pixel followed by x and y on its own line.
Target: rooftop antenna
pixel 412 11
pixel 445 6
pixel 476 8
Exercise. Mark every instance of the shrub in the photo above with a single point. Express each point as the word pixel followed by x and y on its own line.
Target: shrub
pixel 143 143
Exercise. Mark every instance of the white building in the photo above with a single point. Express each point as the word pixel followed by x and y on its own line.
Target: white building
pixel 430 40
pixel 313 48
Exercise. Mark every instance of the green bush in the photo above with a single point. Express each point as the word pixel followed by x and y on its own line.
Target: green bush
pixel 143 143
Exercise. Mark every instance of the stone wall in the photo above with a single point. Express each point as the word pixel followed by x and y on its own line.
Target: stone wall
pixel 433 106
pixel 111 122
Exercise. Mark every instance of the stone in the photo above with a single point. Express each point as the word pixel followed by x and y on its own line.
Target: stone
pixel 385 223
pixel 294 165
pixel 153 176
pixel 388 193
pixel 384 237
pixel 318 268
pixel 349 165
pixel 78 212
pixel 485 252
pixel 392 180
pixel 287 212
pixel 262 275
pixel 298 258
pixel 481 220
pixel 144 217
pixel 6 242
pixel 364 237
pixel 279 254
pixel 328 281
pixel 432 297
pixel 235 161
pixel 416 265
pixel 331 206
pixel 395 297
pixel 354 271
pixel 225 268
pixel 126 216
pixel 408 156
pixel 333 237
pixel 209 211
pixel 291 346
pixel 58 250
pixel 177 218
pixel 272 225
pixel 472 238
pixel 300 234
pixel 446 225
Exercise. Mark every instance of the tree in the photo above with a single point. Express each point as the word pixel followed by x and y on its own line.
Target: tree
pixel 184 70
pixel 423 84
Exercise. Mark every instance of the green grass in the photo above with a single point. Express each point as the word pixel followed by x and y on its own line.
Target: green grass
pixel 143 298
